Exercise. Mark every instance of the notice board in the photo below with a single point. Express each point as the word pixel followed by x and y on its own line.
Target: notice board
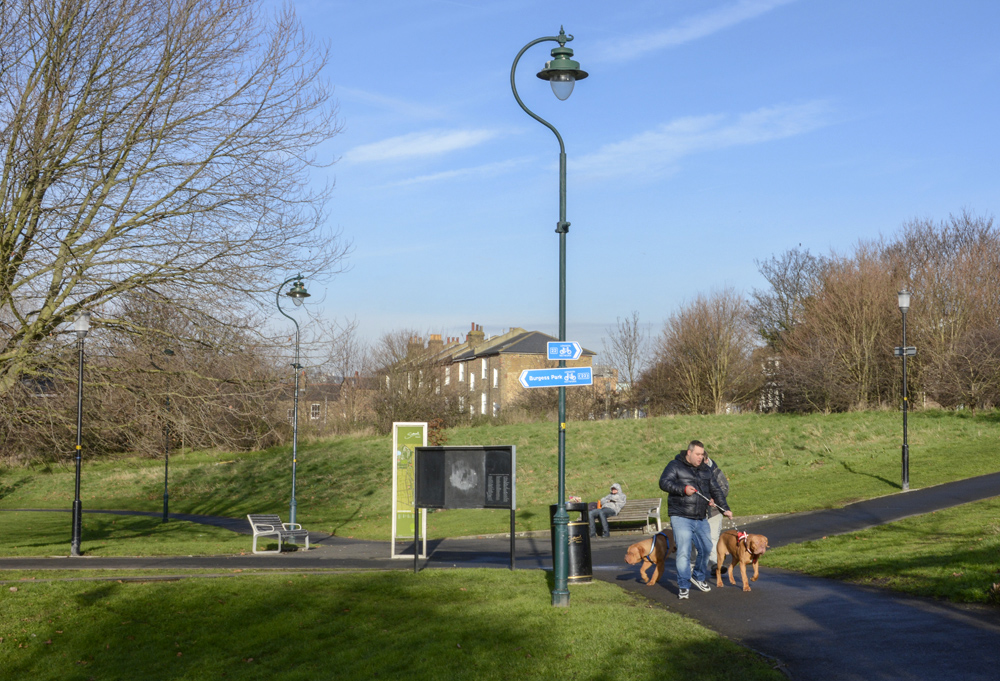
pixel 466 477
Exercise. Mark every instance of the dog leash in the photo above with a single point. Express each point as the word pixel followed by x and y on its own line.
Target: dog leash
pixel 740 536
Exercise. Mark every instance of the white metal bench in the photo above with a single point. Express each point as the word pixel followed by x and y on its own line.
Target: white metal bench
pixel 270 525
pixel 639 510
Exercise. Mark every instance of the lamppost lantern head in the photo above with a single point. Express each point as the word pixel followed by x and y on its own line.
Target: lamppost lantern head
pixel 561 71
pixel 298 292
pixel 904 301
pixel 81 324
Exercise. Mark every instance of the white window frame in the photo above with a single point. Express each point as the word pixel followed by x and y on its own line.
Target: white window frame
pixel 482 404
pixel 484 369
pixel 461 372
pixel 447 375
pixel 496 378
pixel 315 411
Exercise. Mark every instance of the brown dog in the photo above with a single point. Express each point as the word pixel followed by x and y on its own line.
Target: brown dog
pixel 652 551
pixel 744 548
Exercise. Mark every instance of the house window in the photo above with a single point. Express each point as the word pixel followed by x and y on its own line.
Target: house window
pixel 461 402
pixel 496 378
pixel 447 375
pixel 461 372
pixel 291 415
pixel 314 412
pixel 482 404
pixel 472 382
pixel 484 368
pixel 496 408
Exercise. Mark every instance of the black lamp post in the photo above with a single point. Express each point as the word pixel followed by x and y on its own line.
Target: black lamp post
pixel 298 294
pixel 562 73
pixel 81 325
pixel 904 352
pixel 166 445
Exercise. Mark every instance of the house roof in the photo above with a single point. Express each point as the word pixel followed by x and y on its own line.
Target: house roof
pixel 516 342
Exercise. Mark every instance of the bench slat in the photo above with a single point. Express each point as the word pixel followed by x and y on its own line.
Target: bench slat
pixel 639 510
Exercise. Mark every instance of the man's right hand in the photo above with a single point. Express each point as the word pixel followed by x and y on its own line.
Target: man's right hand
pixel 689 490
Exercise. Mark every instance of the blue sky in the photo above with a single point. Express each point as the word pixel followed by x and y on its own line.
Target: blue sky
pixel 709 134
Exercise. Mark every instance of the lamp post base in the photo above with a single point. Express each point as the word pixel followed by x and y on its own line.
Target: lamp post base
pixel 74 547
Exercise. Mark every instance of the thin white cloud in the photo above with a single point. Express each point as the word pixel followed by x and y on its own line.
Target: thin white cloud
pixel 658 151
pixel 400 107
pixel 486 170
pixel 686 31
pixel 418 145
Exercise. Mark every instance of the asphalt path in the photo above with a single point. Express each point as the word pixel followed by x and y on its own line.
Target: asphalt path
pixel 812 628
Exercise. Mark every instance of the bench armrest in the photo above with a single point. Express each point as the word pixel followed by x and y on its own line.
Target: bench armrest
pixel 292 526
pixel 264 527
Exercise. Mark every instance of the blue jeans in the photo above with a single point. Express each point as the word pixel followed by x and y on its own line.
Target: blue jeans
pixel 603 514
pixel 687 531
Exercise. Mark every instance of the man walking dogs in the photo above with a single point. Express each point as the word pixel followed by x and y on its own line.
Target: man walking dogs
pixel 691 489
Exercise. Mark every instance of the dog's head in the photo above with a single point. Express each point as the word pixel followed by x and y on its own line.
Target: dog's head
pixel 634 555
pixel 757 543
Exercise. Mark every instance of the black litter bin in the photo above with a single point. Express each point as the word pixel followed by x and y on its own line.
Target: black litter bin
pixel 581 570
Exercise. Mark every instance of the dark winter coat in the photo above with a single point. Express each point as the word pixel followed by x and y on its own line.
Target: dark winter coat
pixel 677 475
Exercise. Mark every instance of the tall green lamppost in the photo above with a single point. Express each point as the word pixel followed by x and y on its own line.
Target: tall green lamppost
pixel 81 325
pixel 166 442
pixel 905 351
pixel 298 294
pixel 562 73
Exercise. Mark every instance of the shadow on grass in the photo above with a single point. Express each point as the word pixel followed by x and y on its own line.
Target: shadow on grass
pixel 398 625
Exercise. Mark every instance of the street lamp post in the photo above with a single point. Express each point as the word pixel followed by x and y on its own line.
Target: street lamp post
pixel 562 73
pixel 904 352
pixel 166 445
pixel 81 325
pixel 298 294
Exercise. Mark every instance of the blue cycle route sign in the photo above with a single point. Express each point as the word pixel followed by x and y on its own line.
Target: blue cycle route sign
pixel 568 350
pixel 557 378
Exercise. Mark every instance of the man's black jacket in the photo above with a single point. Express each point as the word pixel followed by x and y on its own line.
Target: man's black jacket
pixel 678 474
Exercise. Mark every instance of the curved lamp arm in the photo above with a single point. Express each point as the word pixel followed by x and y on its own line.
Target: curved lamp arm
pixel 277 301
pixel 562 40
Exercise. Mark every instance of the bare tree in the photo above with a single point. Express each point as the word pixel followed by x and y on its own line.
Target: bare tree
pixel 626 349
pixel 704 358
pixel 157 149
pixel 793 278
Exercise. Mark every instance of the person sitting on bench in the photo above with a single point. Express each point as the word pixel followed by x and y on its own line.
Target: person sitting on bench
pixel 608 506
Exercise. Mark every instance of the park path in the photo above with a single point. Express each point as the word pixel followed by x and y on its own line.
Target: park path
pixel 814 628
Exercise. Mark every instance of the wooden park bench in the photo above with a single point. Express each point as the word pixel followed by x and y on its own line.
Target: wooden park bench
pixel 638 510
pixel 268 525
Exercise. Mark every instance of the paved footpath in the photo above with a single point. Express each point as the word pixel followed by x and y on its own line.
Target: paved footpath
pixel 814 628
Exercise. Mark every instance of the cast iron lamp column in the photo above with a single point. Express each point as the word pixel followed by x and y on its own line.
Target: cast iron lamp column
pixel 904 306
pixel 81 325
pixel 297 294
pixel 562 73
pixel 166 444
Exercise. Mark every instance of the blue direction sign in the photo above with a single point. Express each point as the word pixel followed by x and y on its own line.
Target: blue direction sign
pixel 557 378
pixel 564 350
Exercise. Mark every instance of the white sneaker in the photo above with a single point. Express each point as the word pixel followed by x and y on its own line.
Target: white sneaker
pixel 703 586
pixel 682 594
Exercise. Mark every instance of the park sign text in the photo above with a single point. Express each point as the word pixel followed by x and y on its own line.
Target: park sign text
pixel 562 377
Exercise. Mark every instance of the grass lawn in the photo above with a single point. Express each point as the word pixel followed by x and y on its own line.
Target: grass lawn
pixel 952 554
pixel 49 534
pixel 776 463
pixel 469 624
